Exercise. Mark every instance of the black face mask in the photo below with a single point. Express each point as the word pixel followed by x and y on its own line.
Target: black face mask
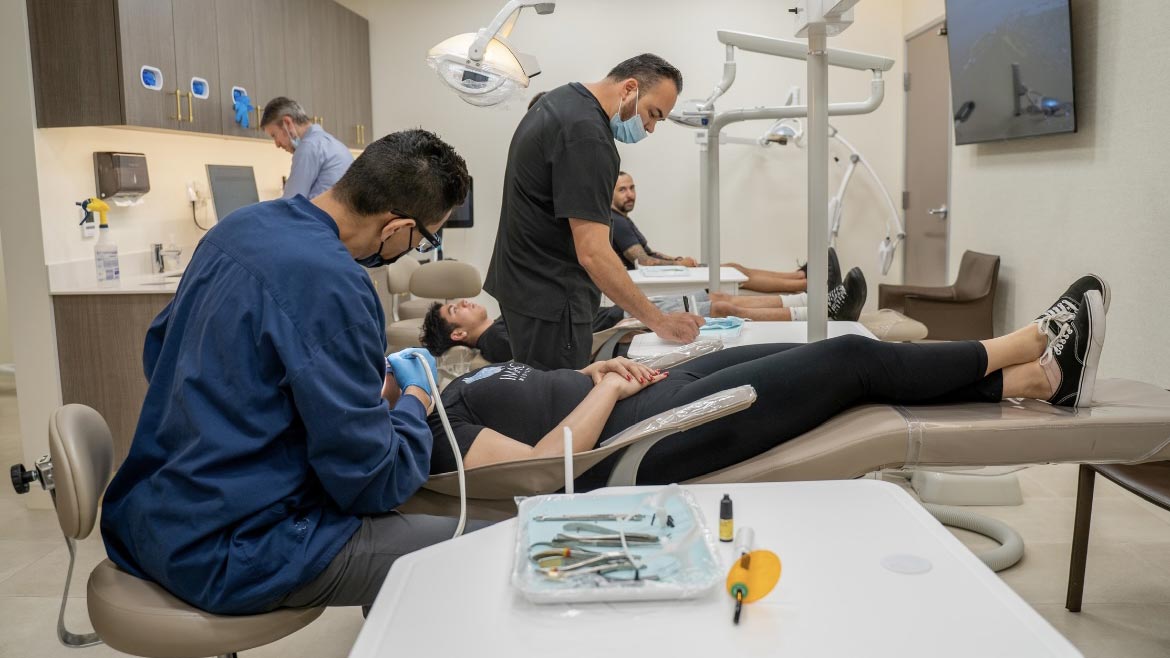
pixel 375 260
pixel 428 243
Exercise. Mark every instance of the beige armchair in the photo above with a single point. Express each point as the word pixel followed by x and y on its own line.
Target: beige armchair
pixel 960 311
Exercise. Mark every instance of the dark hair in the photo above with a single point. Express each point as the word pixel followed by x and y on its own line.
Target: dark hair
pixel 536 97
pixel 647 69
pixel 283 107
pixel 436 332
pixel 412 172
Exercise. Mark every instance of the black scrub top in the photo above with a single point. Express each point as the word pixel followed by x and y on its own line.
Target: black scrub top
pixel 562 164
pixel 625 235
pixel 513 399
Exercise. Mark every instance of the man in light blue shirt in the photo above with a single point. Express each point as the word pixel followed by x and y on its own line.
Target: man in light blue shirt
pixel 319 159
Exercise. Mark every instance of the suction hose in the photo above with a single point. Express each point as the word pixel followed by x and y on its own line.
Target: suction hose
pixel 1011 547
pixel 454 445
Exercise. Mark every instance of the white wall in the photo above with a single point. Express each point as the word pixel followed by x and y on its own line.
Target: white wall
pixel 763 191
pixel 65 169
pixel 1055 207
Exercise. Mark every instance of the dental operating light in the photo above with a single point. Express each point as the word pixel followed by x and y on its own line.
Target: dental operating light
pixel 482 67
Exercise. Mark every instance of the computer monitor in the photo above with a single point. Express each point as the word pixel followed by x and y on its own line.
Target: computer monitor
pixel 232 188
pixel 464 215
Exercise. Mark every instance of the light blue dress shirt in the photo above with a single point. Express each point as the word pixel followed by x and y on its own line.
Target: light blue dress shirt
pixel 318 163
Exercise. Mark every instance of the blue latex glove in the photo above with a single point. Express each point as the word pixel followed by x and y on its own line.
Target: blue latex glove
pixel 243 107
pixel 408 370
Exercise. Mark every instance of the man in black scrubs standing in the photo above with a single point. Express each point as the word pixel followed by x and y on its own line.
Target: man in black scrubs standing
pixel 553 252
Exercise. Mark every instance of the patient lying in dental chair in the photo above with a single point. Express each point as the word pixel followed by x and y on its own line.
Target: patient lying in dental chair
pixel 846 299
pixel 509 412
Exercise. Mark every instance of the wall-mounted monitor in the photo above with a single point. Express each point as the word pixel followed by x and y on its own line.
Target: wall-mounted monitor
pixel 464 215
pixel 1011 68
pixel 232 188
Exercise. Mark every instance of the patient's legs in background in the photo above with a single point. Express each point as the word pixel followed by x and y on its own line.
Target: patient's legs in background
pixel 769 281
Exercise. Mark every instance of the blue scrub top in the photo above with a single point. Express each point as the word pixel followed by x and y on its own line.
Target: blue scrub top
pixel 319 161
pixel 263 438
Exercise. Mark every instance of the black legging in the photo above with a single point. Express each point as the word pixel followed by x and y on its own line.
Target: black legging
pixel 798 387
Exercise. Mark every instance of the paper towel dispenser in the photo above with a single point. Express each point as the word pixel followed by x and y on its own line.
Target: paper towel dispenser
pixel 121 177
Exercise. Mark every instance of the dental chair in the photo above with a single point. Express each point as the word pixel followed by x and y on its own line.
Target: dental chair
pixel 1130 423
pixel 398 276
pixel 435 281
pixel 129 614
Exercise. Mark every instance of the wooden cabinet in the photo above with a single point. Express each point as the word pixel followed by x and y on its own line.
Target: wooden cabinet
pixel 299 33
pixel 173 64
pixel 237 62
pixel 197 66
pixel 268 48
pixel 152 94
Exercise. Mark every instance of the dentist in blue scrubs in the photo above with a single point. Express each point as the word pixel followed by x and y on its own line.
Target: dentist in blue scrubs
pixel 266 465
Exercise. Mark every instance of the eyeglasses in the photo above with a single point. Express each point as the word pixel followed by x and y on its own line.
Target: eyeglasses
pixel 428 241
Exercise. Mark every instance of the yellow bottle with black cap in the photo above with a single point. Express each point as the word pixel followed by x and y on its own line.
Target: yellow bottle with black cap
pixel 726 522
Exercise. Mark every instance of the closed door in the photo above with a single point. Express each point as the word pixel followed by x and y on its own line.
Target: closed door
pixel 237 66
pixel 927 157
pixel 197 64
pixel 268 20
pixel 299 33
pixel 151 90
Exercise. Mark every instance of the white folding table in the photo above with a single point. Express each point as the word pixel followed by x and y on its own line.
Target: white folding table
pixel 838 595
pixel 753 333
pixel 695 279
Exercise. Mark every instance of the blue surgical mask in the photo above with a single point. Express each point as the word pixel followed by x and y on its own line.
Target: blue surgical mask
pixel 630 131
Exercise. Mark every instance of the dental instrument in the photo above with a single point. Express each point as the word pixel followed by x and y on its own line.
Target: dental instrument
pixel 482 67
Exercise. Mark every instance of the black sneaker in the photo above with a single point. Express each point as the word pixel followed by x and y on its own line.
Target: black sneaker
pixel 1076 351
pixel 846 300
pixel 835 270
pixel 1069 303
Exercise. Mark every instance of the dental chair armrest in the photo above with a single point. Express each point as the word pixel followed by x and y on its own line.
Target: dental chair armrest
pixel 612 338
pixel 679 419
pixel 894 297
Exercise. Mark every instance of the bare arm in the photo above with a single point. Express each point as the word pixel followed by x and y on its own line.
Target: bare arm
pixel 636 254
pixel 597 256
pixel 586 421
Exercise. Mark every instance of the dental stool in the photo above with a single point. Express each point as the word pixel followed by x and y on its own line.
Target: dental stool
pixel 132 615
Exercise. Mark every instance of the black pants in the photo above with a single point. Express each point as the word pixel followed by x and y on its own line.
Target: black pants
pixel 546 345
pixel 798 388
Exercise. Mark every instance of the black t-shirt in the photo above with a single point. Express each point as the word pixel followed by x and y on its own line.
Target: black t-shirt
pixel 493 343
pixel 562 164
pixel 513 399
pixel 625 235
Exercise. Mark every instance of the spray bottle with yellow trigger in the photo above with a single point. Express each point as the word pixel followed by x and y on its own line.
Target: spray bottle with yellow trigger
pixel 105 252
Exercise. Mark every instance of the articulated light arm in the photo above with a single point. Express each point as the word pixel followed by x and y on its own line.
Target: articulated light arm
pixel 502 26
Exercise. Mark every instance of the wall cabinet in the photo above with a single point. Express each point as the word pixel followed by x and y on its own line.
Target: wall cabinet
pixel 180 64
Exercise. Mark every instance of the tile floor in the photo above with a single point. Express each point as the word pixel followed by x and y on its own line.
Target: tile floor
pixel 1127 594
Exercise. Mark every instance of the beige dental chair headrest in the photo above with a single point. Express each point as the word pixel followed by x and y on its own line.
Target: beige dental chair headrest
pixel 446 279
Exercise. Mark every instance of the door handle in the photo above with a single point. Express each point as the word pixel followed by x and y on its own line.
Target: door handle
pixel 190 107
pixel 942 211
pixel 178 105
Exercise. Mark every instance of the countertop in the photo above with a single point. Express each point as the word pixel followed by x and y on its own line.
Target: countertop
pixel 131 284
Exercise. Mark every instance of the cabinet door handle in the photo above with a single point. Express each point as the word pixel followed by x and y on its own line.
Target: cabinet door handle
pixel 257 126
pixel 178 105
pixel 190 108
pixel 357 131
